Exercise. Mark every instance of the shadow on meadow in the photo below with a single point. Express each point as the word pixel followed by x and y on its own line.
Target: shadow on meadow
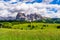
pixel 28 26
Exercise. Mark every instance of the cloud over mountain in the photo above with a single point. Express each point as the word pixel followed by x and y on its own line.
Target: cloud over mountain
pixel 46 1
pixel 48 10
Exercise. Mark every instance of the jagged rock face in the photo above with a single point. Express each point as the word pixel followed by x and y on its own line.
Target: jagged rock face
pixel 34 17
pixel 20 16
pixel 28 17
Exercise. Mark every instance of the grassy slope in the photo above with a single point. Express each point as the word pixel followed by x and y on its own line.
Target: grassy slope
pixel 16 34
pixel 24 26
pixel 48 33
pixel 39 26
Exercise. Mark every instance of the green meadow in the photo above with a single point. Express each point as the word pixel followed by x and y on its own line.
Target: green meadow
pixel 28 26
pixel 29 31
pixel 16 34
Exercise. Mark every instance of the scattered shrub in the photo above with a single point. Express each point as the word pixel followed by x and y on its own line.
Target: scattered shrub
pixel 1 25
pixel 21 28
pixel 58 27
pixel 42 28
pixel 29 25
pixel 32 27
pixel 44 25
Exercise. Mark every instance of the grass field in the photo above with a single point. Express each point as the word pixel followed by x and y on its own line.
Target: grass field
pixel 16 34
pixel 40 31
pixel 35 26
pixel 29 26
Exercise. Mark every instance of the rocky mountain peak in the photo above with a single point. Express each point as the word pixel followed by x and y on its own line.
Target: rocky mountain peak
pixel 28 17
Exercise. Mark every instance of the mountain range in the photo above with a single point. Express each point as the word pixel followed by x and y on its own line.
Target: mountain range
pixel 10 11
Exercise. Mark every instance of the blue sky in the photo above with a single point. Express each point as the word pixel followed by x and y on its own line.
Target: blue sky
pixel 38 6
pixel 39 1
pixel 56 2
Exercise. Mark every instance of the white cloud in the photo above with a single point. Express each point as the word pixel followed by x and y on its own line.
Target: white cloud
pixel 46 1
pixel 11 10
pixel 13 0
pixel 27 0
pixel 10 1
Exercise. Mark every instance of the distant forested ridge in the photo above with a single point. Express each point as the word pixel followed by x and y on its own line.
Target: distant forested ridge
pixel 44 20
pixel 22 17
